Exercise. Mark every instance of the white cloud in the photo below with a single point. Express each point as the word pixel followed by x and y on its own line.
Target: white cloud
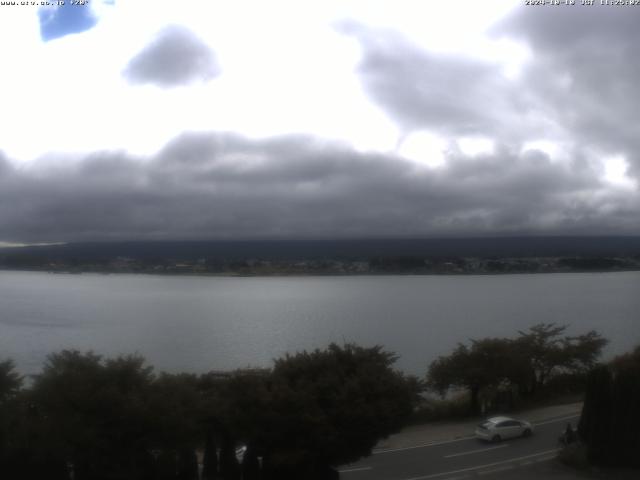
pixel 476 145
pixel 285 69
pixel 615 172
pixel 424 148
pixel 492 111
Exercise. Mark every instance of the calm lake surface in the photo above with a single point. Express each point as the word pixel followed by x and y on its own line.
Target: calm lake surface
pixel 202 323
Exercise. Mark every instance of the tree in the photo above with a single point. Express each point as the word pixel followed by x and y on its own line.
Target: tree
pixel 330 407
pixel 629 360
pixel 10 385
pixel 542 345
pixel 595 424
pixel 625 416
pixel 176 405
pixel 210 457
pixel 10 380
pixel 114 419
pixel 548 351
pixel 486 363
pixel 234 404
pixel 527 362
pixel 95 413
pixel 610 421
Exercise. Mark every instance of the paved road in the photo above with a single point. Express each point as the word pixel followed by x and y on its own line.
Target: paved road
pixel 461 458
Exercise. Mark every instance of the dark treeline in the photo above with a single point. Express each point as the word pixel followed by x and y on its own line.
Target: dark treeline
pixel 610 421
pixel 90 418
pixel 85 417
pixel 497 372
pixel 20 259
pixel 357 248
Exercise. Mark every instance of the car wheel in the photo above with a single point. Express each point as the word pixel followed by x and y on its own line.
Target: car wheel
pixel 526 433
pixel 496 438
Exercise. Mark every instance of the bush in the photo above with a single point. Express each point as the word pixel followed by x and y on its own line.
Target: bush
pixel 434 409
pixel 575 456
pixel 565 384
pixel 610 421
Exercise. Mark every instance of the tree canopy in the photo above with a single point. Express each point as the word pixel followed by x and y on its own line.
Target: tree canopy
pixel 10 380
pixel 548 351
pixel 610 420
pixel 332 406
pixel 526 362
pixel 95 418
pixel 485 363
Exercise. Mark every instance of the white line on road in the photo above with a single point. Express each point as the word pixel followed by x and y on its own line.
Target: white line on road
pixel 561 419
pixel 476 451
pixel 478 467
pixel 545 459
pixel 359 469
pixel 460 439
pixel 431 444
pixel 496 470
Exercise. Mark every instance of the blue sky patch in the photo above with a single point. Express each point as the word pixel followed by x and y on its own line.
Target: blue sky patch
pixel 66 19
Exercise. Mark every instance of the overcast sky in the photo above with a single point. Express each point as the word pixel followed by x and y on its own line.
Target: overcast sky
pixel 154 119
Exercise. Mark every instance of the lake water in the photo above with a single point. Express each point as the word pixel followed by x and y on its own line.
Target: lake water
pixel 202 323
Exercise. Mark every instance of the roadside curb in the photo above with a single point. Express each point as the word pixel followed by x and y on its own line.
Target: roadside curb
pixel 430 434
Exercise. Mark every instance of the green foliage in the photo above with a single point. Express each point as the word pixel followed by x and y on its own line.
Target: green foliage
pixel 594 427
pixel 114 419
pixel 610 420
pixel 95 411
pixel 549 352
pixel 176 404
pixel 332 406
pixel 575 456
pixel 10 415
pixel 10 381
pixel 629 360
pixel 435 409
pixel 488 363
pixel 527 362
pixel 542 345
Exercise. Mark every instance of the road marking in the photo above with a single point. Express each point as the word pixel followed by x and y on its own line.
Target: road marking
pixel 423 445
pixel 359 469
pixel 476 451
pixel 561 419
pixel 461 439
pixel 478 467
pixel 545 459
pixel 496 470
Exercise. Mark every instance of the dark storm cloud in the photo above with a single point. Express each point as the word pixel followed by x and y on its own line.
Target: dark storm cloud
pixel 4 164
pixel 424 90
pixel 585 72
pixel 580 89
pixel 208 185
pixel 175 57
pixel 580 86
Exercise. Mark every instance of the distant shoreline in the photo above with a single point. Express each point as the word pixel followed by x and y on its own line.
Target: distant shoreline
pixel 311 274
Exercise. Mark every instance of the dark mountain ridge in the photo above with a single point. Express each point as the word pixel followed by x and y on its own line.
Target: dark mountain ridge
pixel 499 247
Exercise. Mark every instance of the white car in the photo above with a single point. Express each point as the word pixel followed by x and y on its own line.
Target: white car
pixel 500 428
